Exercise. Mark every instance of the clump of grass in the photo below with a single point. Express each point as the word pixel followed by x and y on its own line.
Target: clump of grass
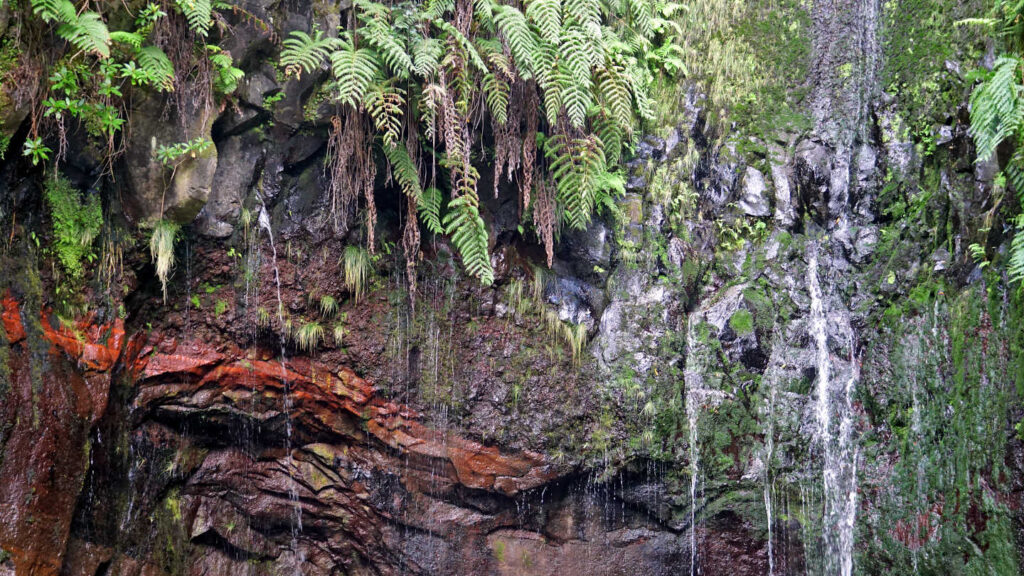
pixel 328 306
pixel 576 337
pixel 309 336
pixel 262 317
pixel 338 333
pixel 357 266
pixel 537 285
pixel 514 295
pixel 161 249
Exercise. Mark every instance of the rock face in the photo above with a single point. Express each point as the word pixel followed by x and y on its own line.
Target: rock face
pixel 775 343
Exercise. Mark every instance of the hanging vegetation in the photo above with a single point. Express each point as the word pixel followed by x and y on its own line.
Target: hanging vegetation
pixel 425 82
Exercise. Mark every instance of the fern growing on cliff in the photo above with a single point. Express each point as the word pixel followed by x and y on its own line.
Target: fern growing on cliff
pixel 426 77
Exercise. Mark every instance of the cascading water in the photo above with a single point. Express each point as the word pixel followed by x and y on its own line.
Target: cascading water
pixel 293 494
pixel 834 402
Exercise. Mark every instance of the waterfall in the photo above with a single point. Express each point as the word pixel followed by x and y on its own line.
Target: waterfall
pixel 834 402
pixel 293 494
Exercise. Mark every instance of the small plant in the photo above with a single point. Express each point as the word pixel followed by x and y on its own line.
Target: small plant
pixel 357 269
pixel 309 336
pixel 161 249
pixel 262 317
pixel 76 224
pixel 174 154
pixel 195 302
pixel 515 296
pixel 338 333
pixel 576 337
pixel 328 306
pixel 220 307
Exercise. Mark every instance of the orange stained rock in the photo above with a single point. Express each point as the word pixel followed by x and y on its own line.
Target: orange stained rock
pixel 95 346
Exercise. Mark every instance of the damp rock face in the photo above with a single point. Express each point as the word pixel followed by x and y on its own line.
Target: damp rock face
pixel 772 353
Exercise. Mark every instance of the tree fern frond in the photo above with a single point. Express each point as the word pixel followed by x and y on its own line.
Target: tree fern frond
pixel 426 55
pixel 577 167
pixel 379 34
pixel 471 53
pixel 582 12
pixel 130 38
pixel 1015 267
pixel 55 10
pixel 615 93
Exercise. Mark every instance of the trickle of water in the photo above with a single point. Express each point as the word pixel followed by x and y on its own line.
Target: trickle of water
pixel 692 377
pixel 839 473
pixel 293 493
pixel 769 453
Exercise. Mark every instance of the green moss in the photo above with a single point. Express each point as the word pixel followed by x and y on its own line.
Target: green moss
pixel 742 322
pixel 75 222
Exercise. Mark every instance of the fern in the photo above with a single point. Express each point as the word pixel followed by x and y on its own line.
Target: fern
pixel 385 104
pixel 62 11
pixel 199 14
pixel 496 92
pixel 354 70
pixel 585 13
pixel 404 170
pixel 429 209
pixel 426 55
pixel 157 66
pixel 379 35
pixel 546 15
pixel 521 40
pixel 997 109
pixel 469 235
pixel 578 168
pixel 130 38
pixel 88 33
pixel 1015 267
pixel 304 53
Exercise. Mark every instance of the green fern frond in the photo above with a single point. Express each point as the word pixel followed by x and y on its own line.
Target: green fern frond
pixel 471 52
pixel 55 10
pixel 379 34
pixel 354 70
pixel 546 15
pixel 385 105
pixel 88 33
pixel 522 42
pixel 1015 267
pixel 130 38
pixel 426 55
pixel 469 235
pixel 304 53
pixel 404 170
pixel 583 12
pixel 577 167
pixel 429 209
pixel 199 14
pixel 496 92
pixel 997 109
pixel 615 93
pixel 157 66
